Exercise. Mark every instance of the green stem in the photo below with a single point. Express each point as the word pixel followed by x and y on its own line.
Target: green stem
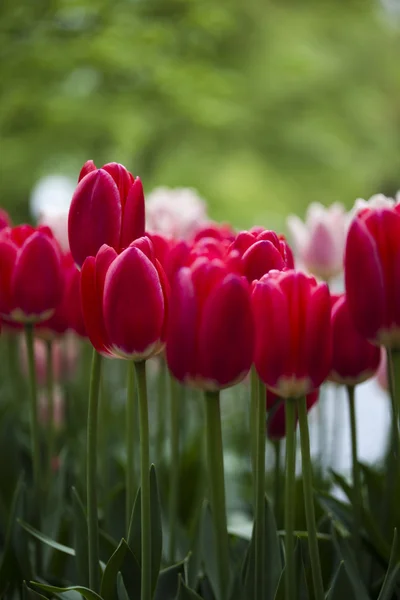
pixel 91 472
pixel 174 471
pixel 290 498
pixel 50 403
pixel 309 500
pixel 260 493
pixel 215 459
pixel 140 369
pixel 254 380
pixel 161 409
pixel 130 443
pixel 357 498
pixel 277 481
pixel 393 369
pixel 35 441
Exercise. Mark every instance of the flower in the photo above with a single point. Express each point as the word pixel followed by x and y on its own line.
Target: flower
pixel 354 359
pixel 124 301
pixel 319 242
pixel 210 335
pixel 176 213
pixel 276 421
pixel 5 220
pixel 293 332
pixel 107 208
pixel 31 282
pixel 372 274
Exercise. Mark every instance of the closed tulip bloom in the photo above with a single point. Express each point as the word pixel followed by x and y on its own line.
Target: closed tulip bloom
pixel 293 332
pixel 31 282
pixel 372 275
pixel 210 336
pixel 107 208
pixel 354 359
pixel 319 242
pixel 276 420
pixel 124 301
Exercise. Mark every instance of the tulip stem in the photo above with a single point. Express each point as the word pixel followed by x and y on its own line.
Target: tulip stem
pixel 260 493
pixel 215 459
pixel 130 443
pixel 174 472
pixel 50 403
pixel 35 441
pixel 277 480
pixel 393 369
pixel 309 500
pixel 290 498
pixel 254 380
pixel 161 406
pixel 140 369
pixel 91 472
pixel 357 497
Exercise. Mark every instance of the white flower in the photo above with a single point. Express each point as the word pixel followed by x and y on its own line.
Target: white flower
pixel 176 213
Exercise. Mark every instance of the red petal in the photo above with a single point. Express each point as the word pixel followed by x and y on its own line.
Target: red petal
pixel 122 178
pixel 8 255
pixel 318 335
pixel 133 220
pixel 260 258
pixel 88 167
pixel 92 306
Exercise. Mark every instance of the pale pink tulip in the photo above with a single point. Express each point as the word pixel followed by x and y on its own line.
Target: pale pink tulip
pixel 177 213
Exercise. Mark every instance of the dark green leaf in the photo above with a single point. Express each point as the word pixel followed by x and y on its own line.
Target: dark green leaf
pixel 45 539
pixel 272 552
pixel 168 581
pixel 194 559
pixel 185 593
pixel 392 577
pixel 80 538
pixel 135 529
pixel 208 548
pixel 121 589
pixel 109 579
pixel 29 594
pixel 345 553
pixel 8 565
pixel 301 581
pixel 86 593
pixel 341 588
pixel 339 512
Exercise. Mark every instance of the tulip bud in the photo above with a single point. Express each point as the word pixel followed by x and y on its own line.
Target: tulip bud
pixel 293 332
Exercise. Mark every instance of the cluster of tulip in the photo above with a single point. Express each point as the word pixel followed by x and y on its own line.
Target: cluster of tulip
pixel 220 305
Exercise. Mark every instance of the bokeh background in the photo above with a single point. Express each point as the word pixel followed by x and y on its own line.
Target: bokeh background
pixel 263 106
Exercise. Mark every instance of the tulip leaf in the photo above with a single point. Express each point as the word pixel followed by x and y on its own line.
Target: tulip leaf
pixel 168 581
pixel 392 577
pixel 29 594
pixel 208 549
pixel 8 562
pixel 342 546
pixel 45 539
pixel 194 559
pixel 341 587
pixel 301 580
pixel 185 593
pixel 121 589
pixel 80 538
pixel 85 592
pixel 109 579
pixel 339 512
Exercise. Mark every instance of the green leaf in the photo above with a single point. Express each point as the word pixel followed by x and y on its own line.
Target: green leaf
pixel 392 576
pixel 109 579
pixel 86 593
pixel 339 512
pixel 341 587
pixel 194 558
pixel 121 589
pixel 45 539
pixel 80 538
pixel 345 553
pixel 185 593
pixel 8 565
pixel 168 581
pixel 301 580
pixel 135 536
pixel 29 594
pixel 208 548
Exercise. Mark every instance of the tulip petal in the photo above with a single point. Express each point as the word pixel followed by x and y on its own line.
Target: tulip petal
pixel 133 220
pixel 317 342
pixel 260 258
pixel 8 255
pixel 87 168
pixel 122 178
pixel 94 216
pixel 92 307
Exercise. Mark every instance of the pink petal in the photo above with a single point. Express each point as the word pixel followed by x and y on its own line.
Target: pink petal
pixel 133 219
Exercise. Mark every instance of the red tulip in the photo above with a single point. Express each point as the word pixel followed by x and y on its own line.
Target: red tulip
pixel 210 336
pixel 354 359
pixel 124 301
pixel 107 208
pixel 372 275
pixel 261 251
pixel 276 422
pixel 293 332
pixel 31 283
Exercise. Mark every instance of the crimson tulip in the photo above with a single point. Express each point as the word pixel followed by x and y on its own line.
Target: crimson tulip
pixel 372 274
pixel 354 359
pixel 124 301
pixel 31 283
pixel 210 335
pixel 276 421
pixel 107 208
pixel 293 332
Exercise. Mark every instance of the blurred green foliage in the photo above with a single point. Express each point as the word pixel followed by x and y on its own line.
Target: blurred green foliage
pixel 262 106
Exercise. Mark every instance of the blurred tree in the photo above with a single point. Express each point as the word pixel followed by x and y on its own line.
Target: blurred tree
pixel 263 106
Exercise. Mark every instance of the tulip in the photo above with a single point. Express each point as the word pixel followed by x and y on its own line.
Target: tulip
pixel 5 220
pixel 31 284
pixel 210 334
pixel 354 359
pixel 276 422
pixel 372 275
pixel 107 208
pixel 293 332
pixel 319 242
